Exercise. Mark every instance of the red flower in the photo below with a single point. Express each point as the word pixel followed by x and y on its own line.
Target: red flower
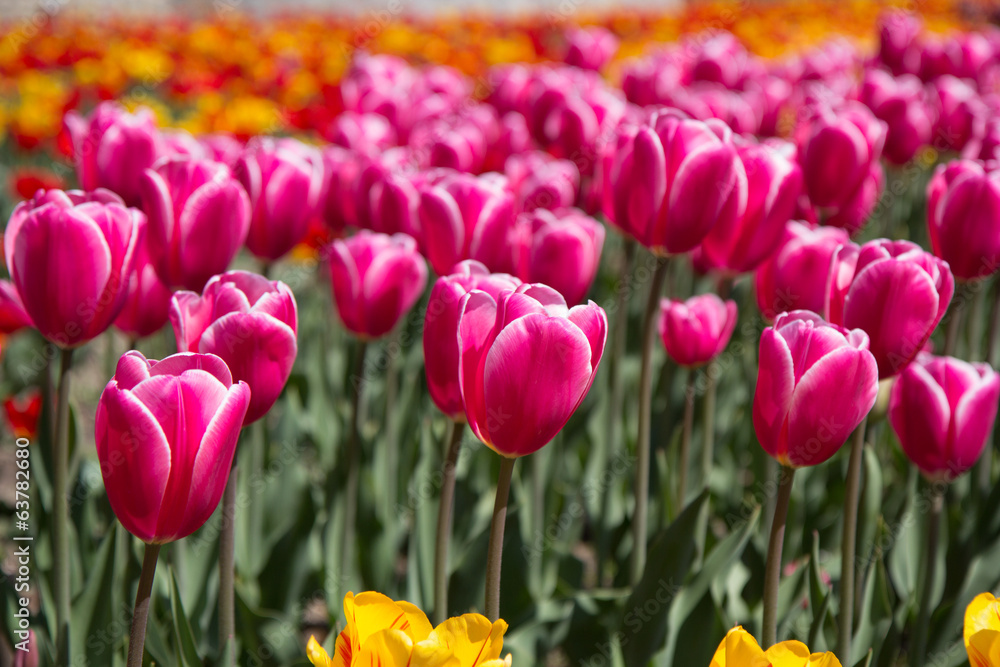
pixel 26 181
pixel 23 411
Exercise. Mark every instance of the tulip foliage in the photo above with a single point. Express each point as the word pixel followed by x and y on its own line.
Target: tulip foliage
pixel 598 356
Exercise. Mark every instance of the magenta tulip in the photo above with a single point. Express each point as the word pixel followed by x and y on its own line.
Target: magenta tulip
pixel 590 48
pixel 561 249
pixel 942 410
pixel 224 148
pixel 795 276
pixel 893 290
pixel 341 168
pixel 199 217
pixel 70 256
pixel 441 349
pixel 902 104
pixel 284 179
pixel 815 383
pixel 526 364
pixel 697 330
pixel 13 316
pixel 540 181
pixel 248 321
pixel 898 33
pixel 112 148
pixel 166 433
pixel 961 113
pixel 148 300
pixel 963 218
pixel 376 279
pixel 363 132
pixel 774 183
pixel 512 138
pixel 675 180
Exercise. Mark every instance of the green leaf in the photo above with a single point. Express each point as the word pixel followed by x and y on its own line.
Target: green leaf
pixel 182 628
pixel 92 615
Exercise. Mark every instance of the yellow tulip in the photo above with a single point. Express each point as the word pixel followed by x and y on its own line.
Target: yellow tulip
pixel 397 634
pixel 740 649
pixel 982 631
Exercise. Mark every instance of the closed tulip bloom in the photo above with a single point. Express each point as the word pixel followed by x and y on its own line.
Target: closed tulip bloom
pixel 512 138
pixel 675 180
pixel 852 214
pixel 148 301
pixel 112 148
pixel 363 132
pixel 963 218
pixel 341 169
pixel 284 180
pixel 541 181
pixel 898 33
pixel 902 104
pixel 248 321
pixel 897 293
pixel 70 255
pixel 526 364
pixel 961 112
pixel 774 182
pixel 942 410
pixel 815 383
pixel 376 279
pixel 981 631
pixel 199 217
pixel 590 48
pixel 740 649
pixel 166 433
pixel 795 276
pixel 697 330
pixel 13 316
pixel 561 249
pixel 221 147
pixel 440 340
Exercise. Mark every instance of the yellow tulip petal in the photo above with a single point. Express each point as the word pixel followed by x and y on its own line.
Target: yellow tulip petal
pixel 317 655
pixel 385 648
pixel 472 638
pixel 787 654
pixel 739 649
pixel 506 662
pixel 982 624
pixel 827 659
pixel 418 627
pixel 984 648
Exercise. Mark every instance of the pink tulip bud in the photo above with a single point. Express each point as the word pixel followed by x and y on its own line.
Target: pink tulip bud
pixel 13 316
pixel 453 142
pixel 897 293
pixel 795 276
pixel 441 349
pixel 590 48
pixel 697 330
pixel 70 255
pixel 963 218
pixel 774 182
pixel 526 363
pixel 166 433
pixel 540 181
pixel 942 410
pixel 376 279
pixel 248 321
pixel 284 179
pixel 815 384
pixel 675 180
pixel 902 104
pixel 199 217
pixel 148 300
pixel 113 147
pixel 561 249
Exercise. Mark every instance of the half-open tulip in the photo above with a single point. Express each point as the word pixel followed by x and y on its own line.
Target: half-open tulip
pixel 199 216
pixel 70 256
pixel 963 217
pixel 376 278
pixel 526 364
pixel 897 293
pixel 697 330
pixel 440 338
pixel 942 410
pixel 740 649
pixel 250 322
pixel 166 433
pixel 982 631
pixel 561 249
pixel 815 384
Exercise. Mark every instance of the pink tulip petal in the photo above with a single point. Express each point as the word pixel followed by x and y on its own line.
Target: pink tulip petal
pixel 774 392
pixel 478 315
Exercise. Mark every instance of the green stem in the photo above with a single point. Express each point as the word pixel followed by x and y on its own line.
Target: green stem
pixel 930 563
pixel 227 556
pixel 686 439
pixel 985 465
pixel 848 543
pixel 353 465
pixel 444 523
pixel 137 636
pixel 707 461
pixel 60 536
pixel 639 519
pixel 772 575
pixel 495 551
pixel 954 319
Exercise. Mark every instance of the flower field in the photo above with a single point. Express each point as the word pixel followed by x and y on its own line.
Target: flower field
pixel 563 340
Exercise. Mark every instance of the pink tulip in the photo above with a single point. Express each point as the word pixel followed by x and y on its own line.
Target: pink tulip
pixel 898 32
pixel 540 181
pixel 29 656
pixel 697 330
pixel 902 104
pixel 795 276
pixel 512 138
pixel 590 48
pixel 561 249
pixel 718 57
pixel 961 113
pixel 894 291
pixel 526 364
pixel 251 323
pixel 166 433
pixel 467 217
pixel 456 141
pixel 112 148
pixel 774 182
pixel 441 348
pixel 397 168
pixel 985 144
pixel 366 133
pixel 675 180
pixel 199 217
pixel 70 255
pixel 963 218
pixel 181 143
pixel 284 179
pixel 148 299
pixel 815 384
pixel 224 148
pixel 341 169
pixel 942 410
pixel 376 278
pixel 13 316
